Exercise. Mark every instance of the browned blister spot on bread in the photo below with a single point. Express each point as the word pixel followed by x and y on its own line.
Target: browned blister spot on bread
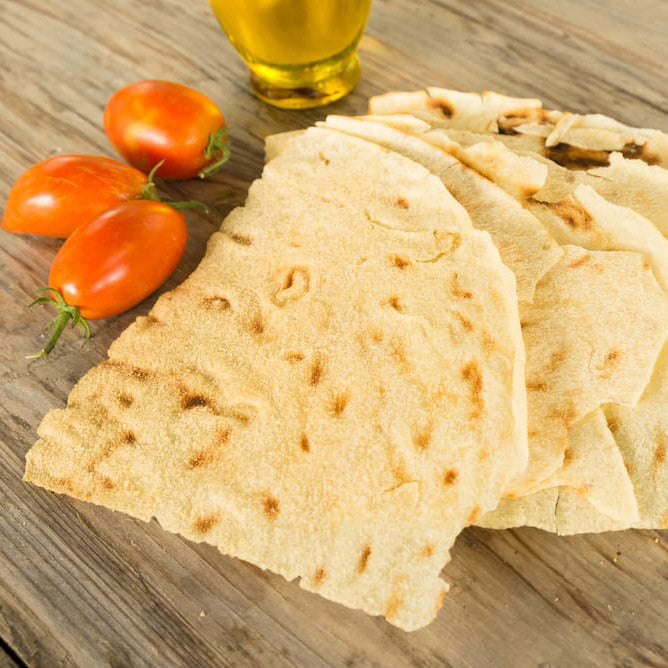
pixel 134 372
pixel 611 361
pixel 472 375
pixel 200 459
pixel 256 325
pixel 427 551
pixel 64 484
pixel 322 157
pixel 660 450
pixel 194 400
pixel 442 106
pixel 465 322
pixel 566 414
pixel 107 483
pixel 536 386
pixel 295 284
pixel 393 606
pixel 580 261
pixel 635 151
pixel 129 437
pixel 573 157
pixel 555 360
pixel 473 515
pixel 318 577
pixel 339 403
pixel 271 506
pixel 509 121
pixel 403 202
pixel 125 400
pixel 317 369
pixel 240 239
pixel 422 437
pixel 450 477
pixel 399 261
pixel 217 303
pixel 293 357
pixel 456 288
pixel 364 559
pixel 572 213
pixel 395 304
pixel 399 353
pixel 205 523
pixel 304 443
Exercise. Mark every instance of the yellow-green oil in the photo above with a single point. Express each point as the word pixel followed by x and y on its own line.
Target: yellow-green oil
pixel 301 53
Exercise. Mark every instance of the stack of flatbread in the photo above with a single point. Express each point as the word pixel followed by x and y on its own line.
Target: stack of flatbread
pixel 450 311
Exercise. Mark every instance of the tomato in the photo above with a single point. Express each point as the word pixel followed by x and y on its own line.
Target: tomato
pixel 57 195
pixel 150 121
pixel 112 263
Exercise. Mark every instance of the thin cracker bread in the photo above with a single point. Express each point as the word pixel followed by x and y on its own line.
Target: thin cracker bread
pixel 333 394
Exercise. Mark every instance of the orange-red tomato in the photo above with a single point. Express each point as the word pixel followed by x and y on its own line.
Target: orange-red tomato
pixel 150 121
pixel 57 195
pixel 112 263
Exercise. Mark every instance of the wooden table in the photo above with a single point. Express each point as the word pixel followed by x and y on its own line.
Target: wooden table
pixel 85 586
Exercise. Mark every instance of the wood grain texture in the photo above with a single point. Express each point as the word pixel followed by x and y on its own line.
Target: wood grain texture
pixel 84 586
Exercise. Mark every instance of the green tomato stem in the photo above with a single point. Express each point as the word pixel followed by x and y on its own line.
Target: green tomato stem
pixel 66 313
pixel 217 149
pixel 150 192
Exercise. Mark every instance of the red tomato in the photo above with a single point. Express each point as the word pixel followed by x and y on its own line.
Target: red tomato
pixel 57 195
pixel 150 121
pixel 112 263
pixel 115 261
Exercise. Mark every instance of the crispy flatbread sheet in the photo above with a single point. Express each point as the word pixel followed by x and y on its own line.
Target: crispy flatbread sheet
pixel 641 437
pixel 580 350
pixel 596 132
pixel 577 214
pixel 471 111
pixel 573 139
pixel 556 329
pixel 598 209
pixel 636 185
pixel 591 221
pixel 333 394
pixel 525 247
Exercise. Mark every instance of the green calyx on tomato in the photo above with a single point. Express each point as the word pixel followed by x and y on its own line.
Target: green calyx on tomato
pixel 217 150
pixel 66 313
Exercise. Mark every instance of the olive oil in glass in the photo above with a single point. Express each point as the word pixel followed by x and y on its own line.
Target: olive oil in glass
pixel 301 53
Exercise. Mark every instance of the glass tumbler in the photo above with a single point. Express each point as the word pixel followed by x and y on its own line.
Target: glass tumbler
pixel 301 53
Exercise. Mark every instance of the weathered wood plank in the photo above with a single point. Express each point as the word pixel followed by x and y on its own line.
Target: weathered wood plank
pixel 81 585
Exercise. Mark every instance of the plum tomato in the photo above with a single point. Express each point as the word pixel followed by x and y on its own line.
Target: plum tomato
pixel 55 196
pixel 150 121
pixel 113 262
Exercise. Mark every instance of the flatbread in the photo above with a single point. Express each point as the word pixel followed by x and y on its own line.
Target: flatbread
pixel 574 140
pixel 620 206
pixel 333 394
pixel 575 213
pixel 640 438
pixel 470 111
pixel 563 384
